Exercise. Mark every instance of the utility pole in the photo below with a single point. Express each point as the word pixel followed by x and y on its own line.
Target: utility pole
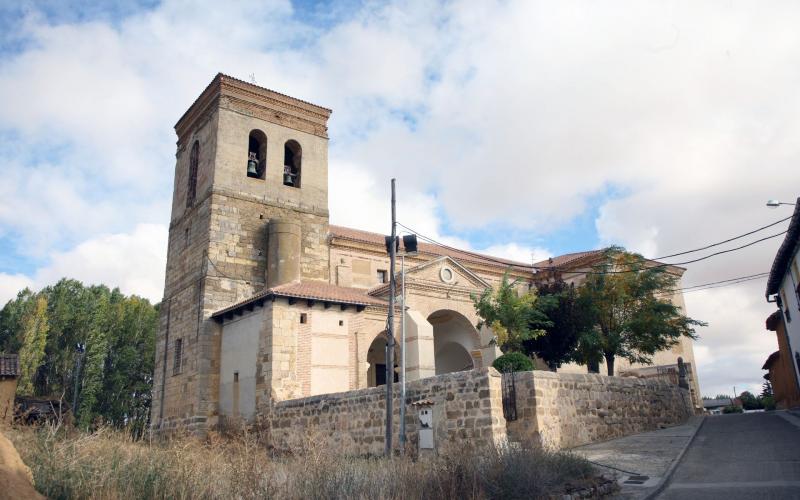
pixel 390 329
pixel 403 352
pixel 80 348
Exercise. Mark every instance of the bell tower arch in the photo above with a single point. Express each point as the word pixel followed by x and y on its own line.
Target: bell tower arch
pixel 229 190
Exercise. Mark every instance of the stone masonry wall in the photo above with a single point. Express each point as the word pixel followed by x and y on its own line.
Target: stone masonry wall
pixel 466 406
pixel 557 410
pixel 563 410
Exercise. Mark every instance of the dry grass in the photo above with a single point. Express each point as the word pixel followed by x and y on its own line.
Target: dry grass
pixel 109 465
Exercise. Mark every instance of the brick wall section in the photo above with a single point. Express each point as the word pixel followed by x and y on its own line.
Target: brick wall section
pixel 563 410
pixel 467 406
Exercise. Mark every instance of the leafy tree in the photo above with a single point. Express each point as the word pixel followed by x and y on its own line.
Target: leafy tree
pixel 511 315
pixel 569 318
pixel 631 311
pixel 513 362
pixel 96 352
pixel 749 401
pixel 11 317
pixel 34 337
pixel 119 334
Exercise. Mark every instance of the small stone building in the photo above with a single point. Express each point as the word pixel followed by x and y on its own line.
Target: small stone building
pixel 265 301
pixel 9 371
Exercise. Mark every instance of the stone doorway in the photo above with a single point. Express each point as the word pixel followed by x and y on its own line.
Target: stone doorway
pixel 376 357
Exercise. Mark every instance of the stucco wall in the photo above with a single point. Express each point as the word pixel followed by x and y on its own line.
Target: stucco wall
pixel 238 357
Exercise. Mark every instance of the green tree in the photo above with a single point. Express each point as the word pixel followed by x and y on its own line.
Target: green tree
pixel 632 313
pixel 749 401
pixel 569 317
pixel 34 337
pixel 119 334
pixel 510 314
pixel 11 317
pixel 94 368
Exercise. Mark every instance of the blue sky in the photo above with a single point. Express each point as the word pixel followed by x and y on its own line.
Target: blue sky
pixel 519 128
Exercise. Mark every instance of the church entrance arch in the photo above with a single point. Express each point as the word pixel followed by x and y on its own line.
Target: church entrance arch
pixel 454 338
pixel 376 357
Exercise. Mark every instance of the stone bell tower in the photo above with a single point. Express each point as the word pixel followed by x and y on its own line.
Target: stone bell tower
pixel 249 210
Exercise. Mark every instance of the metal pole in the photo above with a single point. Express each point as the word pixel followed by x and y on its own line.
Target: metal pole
pixel 390 330
pixel 79 349
pixel 403 354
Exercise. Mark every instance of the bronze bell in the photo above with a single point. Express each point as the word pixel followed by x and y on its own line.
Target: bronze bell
pixel 288 176
pixel 252 166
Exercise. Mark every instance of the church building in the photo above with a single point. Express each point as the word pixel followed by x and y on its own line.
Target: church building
pixel 265 301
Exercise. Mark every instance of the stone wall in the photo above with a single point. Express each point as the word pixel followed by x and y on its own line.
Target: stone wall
pixel 557 410
pixel 466 406
pixel 563 410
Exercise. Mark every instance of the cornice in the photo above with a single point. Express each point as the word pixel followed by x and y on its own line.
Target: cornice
pixel 307 115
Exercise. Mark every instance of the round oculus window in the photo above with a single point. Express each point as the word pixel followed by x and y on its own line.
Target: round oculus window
pixel 447 275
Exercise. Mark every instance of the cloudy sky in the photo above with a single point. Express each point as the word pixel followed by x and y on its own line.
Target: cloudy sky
pixel 521 128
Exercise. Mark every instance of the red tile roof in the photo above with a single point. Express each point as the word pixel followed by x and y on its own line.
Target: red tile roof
pixel 309 290
pixel 347 233
pixel 9 365
pixel 566 259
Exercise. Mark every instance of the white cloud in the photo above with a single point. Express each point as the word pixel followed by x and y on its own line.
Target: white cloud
pixel 513 112
pixel 11 284
pixel 135 262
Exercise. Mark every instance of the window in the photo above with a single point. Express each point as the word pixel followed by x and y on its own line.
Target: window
pixel 235 377
pixel 303 318
pixel 257 154
pixel 186 238
pixel 382 276
pixel 785 305
pixel 176 367
pixel 191 189
pixel 341 322
pixel 291 164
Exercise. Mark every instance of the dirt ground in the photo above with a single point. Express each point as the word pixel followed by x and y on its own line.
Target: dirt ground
pixel 16 481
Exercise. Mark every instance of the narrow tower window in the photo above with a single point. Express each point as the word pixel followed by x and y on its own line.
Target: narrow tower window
pixel 191 190
pixel 257 154
pixel 176 366
pixel 291 164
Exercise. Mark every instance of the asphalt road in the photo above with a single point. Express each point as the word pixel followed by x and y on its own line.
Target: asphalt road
pixel 754 455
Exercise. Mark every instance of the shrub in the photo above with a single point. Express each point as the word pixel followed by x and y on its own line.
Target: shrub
pixel 513 362
pixel 732 409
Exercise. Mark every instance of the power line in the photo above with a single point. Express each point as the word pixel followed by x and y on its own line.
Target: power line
pixel 754 276
pixel 506 263
pixel 502 262
pixel 661 265
pixel 726 284
pixel 725 241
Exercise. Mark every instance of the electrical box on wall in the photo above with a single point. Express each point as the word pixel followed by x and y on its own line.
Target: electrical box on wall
pixel 426 428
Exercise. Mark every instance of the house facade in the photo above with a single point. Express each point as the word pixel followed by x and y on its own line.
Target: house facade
pixel 266 301
pixel 783 288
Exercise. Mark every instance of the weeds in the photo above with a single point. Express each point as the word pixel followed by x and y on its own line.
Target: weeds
pixel 109 465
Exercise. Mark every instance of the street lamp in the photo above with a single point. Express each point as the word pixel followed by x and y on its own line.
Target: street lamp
pixel 776 203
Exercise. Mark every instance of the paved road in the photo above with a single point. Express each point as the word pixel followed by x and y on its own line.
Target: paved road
pixel 745 456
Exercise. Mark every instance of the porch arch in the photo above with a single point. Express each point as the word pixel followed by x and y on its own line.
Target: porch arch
pixel 454 341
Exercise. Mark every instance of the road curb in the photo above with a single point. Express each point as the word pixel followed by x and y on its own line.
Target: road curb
pixel 665 479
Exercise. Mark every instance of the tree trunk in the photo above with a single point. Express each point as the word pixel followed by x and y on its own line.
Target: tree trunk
pixel 609 363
